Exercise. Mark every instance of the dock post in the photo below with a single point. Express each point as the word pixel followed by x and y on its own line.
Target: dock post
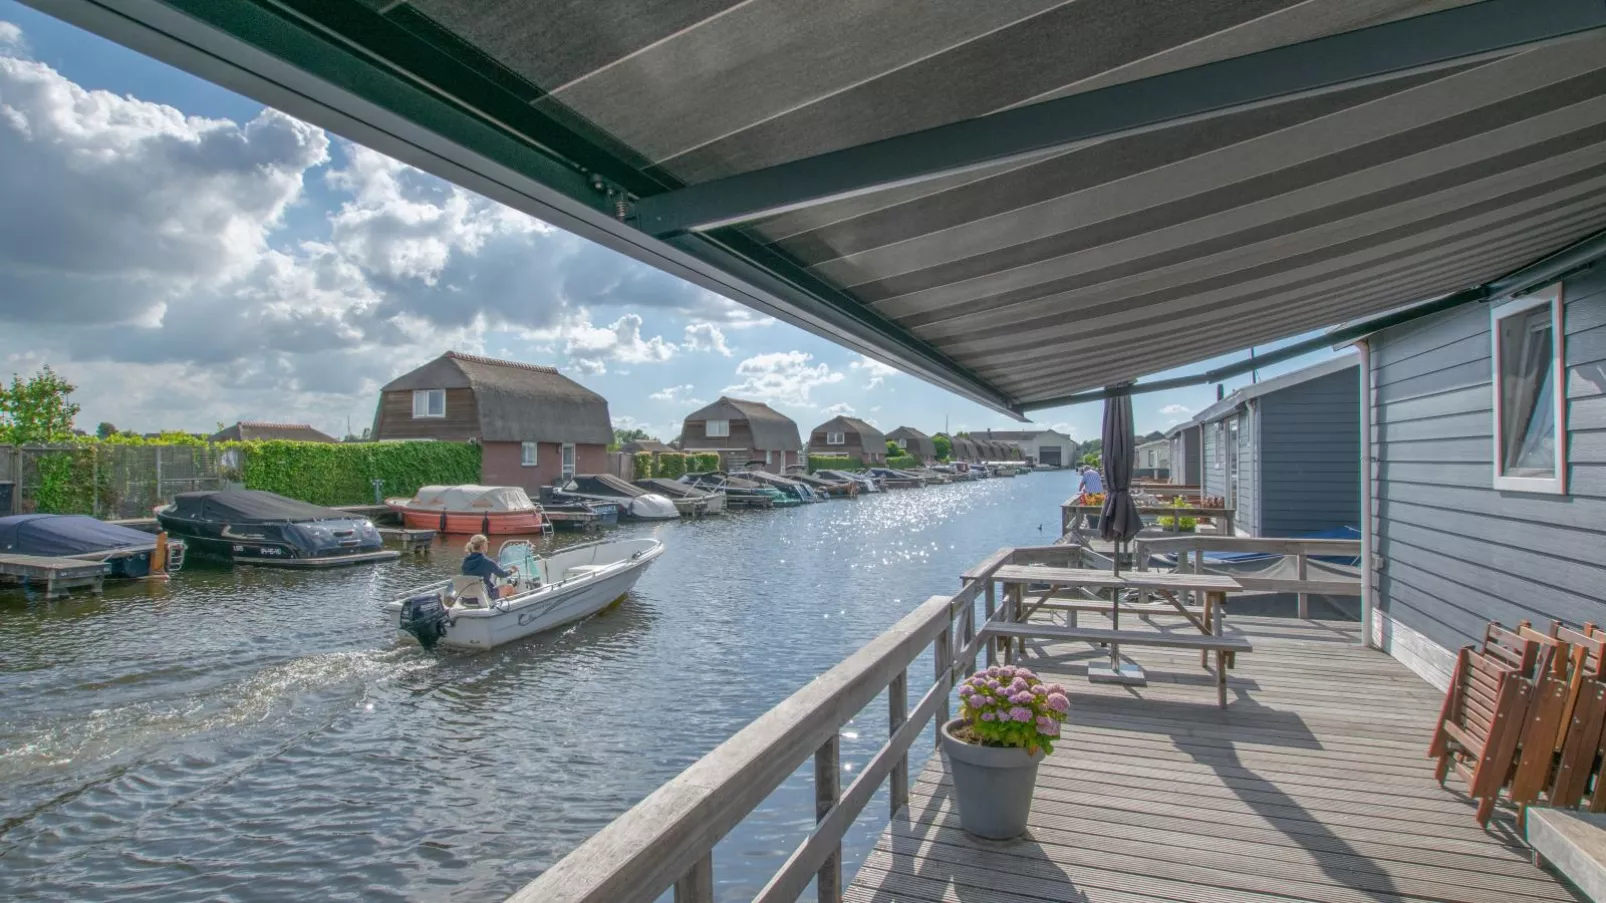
pixel 827 793
pixel 1304 598
pixel 989 607
pixel 697 885
pixel 897 714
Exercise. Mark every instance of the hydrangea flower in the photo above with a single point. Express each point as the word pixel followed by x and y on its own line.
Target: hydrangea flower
pixel 986 716
pixel 1039 690
pixel 1011 706
pixel 1059 702
pixel 993 671
pixel 1020 713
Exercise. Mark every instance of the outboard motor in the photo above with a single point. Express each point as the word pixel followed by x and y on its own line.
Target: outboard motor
pixel 425 618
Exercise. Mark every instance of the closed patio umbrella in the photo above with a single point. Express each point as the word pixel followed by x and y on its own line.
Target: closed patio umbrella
pixel 1119 520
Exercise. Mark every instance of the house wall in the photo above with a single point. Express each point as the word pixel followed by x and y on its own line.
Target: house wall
pixel 1247 518
pixel 395 420
pixel 1186 455
pixel 1452 552
pixel 1310 456
pixel 501 464
pixel 1215 473
pixel 739 448
pixel 853 447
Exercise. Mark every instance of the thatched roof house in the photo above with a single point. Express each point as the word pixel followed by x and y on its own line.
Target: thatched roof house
pixel 849 436
pixel 915 443
pixel 534 423
pixel 963 449
pixel 650 446
pixel 260 431
pixel 741 432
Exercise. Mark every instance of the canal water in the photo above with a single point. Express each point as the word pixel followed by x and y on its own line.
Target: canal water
pixel 252 734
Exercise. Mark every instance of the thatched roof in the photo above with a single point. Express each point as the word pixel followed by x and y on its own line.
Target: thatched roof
pixel 650 446
pixel 261 431
pixel 915 442
pixel 771 429
pixel 517 402
pixel 870 438
pixel 963 449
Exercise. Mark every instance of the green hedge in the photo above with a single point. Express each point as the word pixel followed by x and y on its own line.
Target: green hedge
pixel 703 462
pixel 327 473
pixel 670 467
pixel 833 462
pixel 643 465
pixel 903 463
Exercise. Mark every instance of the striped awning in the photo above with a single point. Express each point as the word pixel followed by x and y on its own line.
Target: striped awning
pixel 872 170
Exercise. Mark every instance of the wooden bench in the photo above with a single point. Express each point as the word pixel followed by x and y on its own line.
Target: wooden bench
pixel 1573 844
pixel 1206 643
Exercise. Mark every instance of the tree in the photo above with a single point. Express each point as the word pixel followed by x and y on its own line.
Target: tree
pixel 893 451
pixel 1093 459
pixel 620 437
pixel 37 410
pixel 945 447
pixel 105 430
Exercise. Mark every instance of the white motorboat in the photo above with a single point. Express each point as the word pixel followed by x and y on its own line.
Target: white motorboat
pixel 547 591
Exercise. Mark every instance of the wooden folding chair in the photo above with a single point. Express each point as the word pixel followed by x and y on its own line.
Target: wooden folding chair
pixel 1581 739
pixel 1479 725
pixel 1545 717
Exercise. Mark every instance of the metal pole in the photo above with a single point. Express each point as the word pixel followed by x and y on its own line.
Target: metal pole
pixel 1368 597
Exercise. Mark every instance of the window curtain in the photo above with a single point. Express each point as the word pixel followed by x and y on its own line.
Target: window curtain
pixel 1527 394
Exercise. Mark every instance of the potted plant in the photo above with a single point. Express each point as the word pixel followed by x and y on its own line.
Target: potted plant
pixel 1008 721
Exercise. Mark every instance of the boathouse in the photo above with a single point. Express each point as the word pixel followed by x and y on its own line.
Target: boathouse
pixel 534 424
pixel 262 431
pixel 743 433
pixel 1187 453
pixel 1153 460
pixel 1048 448
pixel 1285 452
pixel 851 437
pixel 915 444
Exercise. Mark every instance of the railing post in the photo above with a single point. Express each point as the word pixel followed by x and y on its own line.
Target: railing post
pixel 697 885
pixel 897 714
pixel 827 792
pixel 1304 598
pixel 990 606
pixel 942 663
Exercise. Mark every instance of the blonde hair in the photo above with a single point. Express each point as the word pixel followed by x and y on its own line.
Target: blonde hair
pixel 476 543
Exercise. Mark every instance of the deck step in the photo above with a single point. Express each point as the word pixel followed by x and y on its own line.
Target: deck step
pixel 1574 844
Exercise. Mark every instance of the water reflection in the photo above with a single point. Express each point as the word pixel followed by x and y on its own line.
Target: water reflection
pixel 252 734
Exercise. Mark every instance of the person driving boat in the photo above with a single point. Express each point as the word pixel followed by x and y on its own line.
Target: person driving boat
pixel 478 564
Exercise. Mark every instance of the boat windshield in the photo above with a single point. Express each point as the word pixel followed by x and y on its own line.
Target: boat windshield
pixel 519 553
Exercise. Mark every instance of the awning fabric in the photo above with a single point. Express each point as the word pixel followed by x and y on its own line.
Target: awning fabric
pixel 1017 282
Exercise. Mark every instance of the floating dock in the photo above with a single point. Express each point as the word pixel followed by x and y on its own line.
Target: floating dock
pixel 418 542
pixel 57 575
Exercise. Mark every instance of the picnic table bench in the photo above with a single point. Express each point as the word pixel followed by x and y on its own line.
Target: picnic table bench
pixel 1208 614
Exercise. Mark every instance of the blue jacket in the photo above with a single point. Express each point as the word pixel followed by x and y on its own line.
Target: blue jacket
pixel 477 564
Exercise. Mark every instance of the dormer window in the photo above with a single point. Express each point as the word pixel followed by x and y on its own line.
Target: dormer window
pixel 429 403
pixel 836 439
pixel 718 429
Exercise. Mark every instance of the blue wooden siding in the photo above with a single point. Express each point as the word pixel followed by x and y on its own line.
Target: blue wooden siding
pixel 1309 477
pixel 1457 553
pixel 1215 473
pixel 1247 517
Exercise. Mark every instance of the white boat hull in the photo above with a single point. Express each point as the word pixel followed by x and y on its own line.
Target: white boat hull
pixel 552 605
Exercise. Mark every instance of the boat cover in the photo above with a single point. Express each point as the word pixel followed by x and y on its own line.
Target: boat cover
pixel 245 506
pixel 1335 533
pixel 66 534
pixel 471 498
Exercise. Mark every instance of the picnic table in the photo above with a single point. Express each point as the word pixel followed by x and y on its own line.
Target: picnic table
pixel 1207 613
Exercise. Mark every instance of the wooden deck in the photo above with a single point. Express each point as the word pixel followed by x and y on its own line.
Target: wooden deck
pixel 1312 785
pixel 56 575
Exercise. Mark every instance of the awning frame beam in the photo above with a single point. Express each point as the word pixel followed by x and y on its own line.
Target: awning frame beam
pixel 1390 50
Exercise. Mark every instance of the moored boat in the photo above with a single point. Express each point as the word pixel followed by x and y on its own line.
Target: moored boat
pixel 546 592
pixel 867 483
pixel 129 554
pixel 634 502
pixel 249 526
pixel 688 498
pixel 788 487
pixel 468 508
pixel 739 493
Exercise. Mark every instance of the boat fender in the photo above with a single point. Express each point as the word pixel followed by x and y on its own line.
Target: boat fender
pixel 485 524
pixel 443 523
pixel 425 617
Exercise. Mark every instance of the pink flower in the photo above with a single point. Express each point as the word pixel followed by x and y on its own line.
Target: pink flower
pixel 1052 729
pixel 1055 688
pixel 1020 713
pixel 1059 702
pixel 993 685
pixel 1026 673
pixel 1018 686
pixel 979 676
pixel 1022 698
pixel 987 716
pixel 993 671
pixel 1039 690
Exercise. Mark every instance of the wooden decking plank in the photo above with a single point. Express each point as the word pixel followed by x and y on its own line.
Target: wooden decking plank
pixel 1144 747
pixel 1089 759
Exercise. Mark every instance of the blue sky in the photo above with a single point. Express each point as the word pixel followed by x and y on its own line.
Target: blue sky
pixel 188 258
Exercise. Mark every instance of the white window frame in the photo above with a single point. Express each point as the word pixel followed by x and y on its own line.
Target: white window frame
pixel 1550 295
pixel 767 460
pixel 836 438
pixel 717 429
pixel 568 459
pixel 425 395
pixel 903 444
pixel 530 454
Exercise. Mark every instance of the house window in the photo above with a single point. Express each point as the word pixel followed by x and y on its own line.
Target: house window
pixel 429 403
pixel 767 460
pixel 530 456
pixel 718 429
pixel 903 444
pixel 836 439
pixel 1530 393
pixel 568 459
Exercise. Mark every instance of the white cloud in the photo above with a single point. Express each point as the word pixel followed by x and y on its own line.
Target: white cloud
pixel 11 38
pixel 1064 429
pixel 782 377
pixel 874 369
pixel 590 346
pixel 1176 409
pixel 671 393
pixel 838 409
pixel 705 337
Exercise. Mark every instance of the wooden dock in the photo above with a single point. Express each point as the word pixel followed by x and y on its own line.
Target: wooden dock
pixel 1312 785
pixel 417 542
pixel 56 575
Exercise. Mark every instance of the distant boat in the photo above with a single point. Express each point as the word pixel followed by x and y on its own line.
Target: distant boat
pixel 129 554
pixel 469 508
pixel 788 487
pixel 739 493
pixel 867 483
pixel 547 591
pixel 249 526
pixel 688 498
pixel 897 479
pixel 634 502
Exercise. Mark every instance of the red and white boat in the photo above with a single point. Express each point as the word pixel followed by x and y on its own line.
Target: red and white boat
pixel 492 510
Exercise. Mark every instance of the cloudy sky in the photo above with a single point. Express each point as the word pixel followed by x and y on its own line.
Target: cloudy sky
pixel 188 258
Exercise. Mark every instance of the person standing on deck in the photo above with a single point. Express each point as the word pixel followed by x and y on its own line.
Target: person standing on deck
pixel 1091 482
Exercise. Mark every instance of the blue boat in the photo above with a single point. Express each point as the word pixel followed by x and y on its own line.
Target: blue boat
pixel 127 552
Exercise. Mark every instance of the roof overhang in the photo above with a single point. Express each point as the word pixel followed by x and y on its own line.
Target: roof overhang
pixel 1016 201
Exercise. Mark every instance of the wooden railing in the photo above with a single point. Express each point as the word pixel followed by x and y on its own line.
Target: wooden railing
pixel 1071 514
pixel 1184 546
pixel 667 840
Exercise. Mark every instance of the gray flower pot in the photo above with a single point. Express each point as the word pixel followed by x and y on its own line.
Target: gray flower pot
pixel 993 785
